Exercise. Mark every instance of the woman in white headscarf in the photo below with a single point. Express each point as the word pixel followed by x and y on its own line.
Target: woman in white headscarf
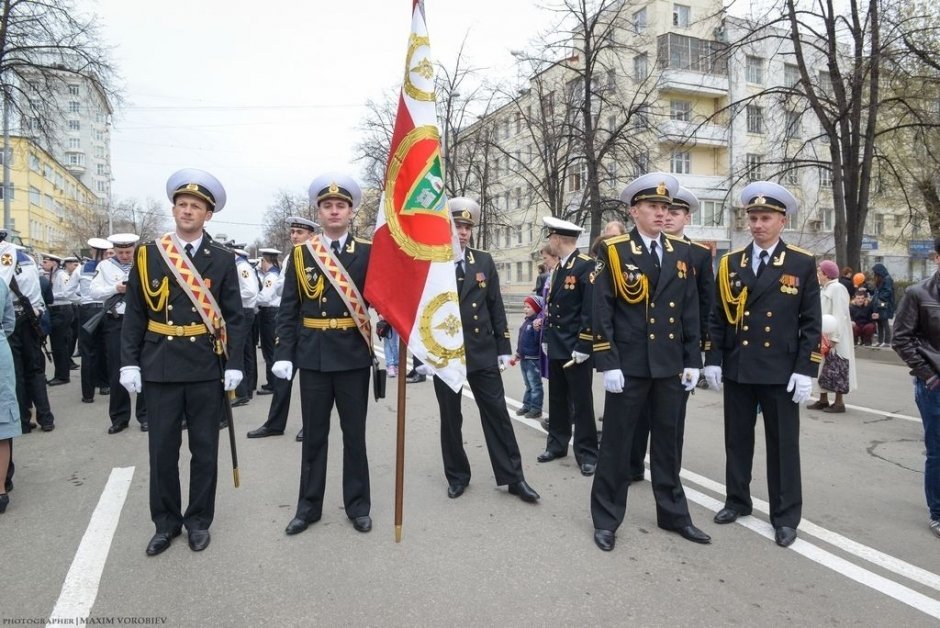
pixel 835 302
pixel 10 426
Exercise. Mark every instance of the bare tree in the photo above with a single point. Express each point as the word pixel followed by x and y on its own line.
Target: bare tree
pixel 43 46
pixel 275 228
pixel 149 219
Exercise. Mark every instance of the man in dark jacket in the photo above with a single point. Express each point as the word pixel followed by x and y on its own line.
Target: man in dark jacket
pixel 917 341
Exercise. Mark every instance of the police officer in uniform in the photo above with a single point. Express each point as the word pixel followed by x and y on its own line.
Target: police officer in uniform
pixel 567 340
pixel 60 317
pixel 684 204
pixel 268 302
pixel 168 347
pixel 317 332
pixel 301 230
pixel 21 275
pixel 248 286
pixel 646 327
pixel 91 346
pixel 765 333
pixel 109 285
pixel 488 350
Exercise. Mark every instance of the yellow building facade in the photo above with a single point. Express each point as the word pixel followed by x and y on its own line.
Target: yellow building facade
pixel 45 199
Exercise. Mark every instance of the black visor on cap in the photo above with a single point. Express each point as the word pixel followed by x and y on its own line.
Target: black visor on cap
pixel 196 190
pixel 334 191
pixel 766 202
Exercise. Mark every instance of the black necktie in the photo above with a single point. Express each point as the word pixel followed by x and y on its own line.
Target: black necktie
pixel 461 273
pixel 335 246
pixel 654 246
pixel 763 263
pixel 189 250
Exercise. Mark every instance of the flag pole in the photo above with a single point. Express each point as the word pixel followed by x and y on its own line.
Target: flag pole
pixel 400 442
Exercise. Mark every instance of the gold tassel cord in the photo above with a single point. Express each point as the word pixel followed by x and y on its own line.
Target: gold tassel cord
pixel 631 292
pixel 156 299
pixel 728 300
pixel 312 292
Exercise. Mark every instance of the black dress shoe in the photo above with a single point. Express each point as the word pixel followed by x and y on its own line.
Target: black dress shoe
pixel 88 399
pixel 523 491
pixel 263 432
pixel 4 502
pixel 161 541
pixel 637 477
pixel 117 427
pixel 104 390
pixel 548 456
pixel 8 485
pixel 198 540
pixel 300 436
pixel 264 391
pixel 785 536
pixel 296 526
pixel 74 367
pixel 727 515
pixel 691 533
pixel 48 427
pixel 456 490
pixel 415 378
pixel 223 424
pixel 144 427
pixel 241 401
pixel 55 381
pixel 363 523
pixel 588 468
pixel 604 539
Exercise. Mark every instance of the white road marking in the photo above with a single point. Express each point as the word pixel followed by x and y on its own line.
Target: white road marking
pixel 80 588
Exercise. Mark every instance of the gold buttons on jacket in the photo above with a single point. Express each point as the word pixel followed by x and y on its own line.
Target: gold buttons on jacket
pixel 671 304
pixel 767 328
pixel 766 344
pixel 747 313
pixel 745 328
pixel 652 336
pixel 744 343
pixel 671 336
pixel 672 320
pixel 652 320
pixel 769 314
pixel 169 308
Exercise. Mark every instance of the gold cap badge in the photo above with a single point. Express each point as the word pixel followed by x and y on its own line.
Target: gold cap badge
pixel 661 188
pixel 333 188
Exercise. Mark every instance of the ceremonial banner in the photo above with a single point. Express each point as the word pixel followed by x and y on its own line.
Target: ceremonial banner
pixel 411 279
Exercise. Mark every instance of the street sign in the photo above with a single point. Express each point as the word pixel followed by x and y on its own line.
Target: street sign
pixel 869 243
pixel 920 249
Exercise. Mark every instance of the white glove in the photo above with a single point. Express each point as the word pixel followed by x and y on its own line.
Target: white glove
pixel 614 381
pixel 801 386
pixel 579 357
pixel 689 378
pixel 130 379
pixel 283 369
pixel 713 377
pixel 232 379
pixel 424 369
pixel 545 348
pixel 505 361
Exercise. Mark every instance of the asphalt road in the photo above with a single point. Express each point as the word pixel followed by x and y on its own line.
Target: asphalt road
pixel 864 556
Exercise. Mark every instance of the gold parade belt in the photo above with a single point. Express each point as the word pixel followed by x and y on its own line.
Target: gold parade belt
pixel 329 323
pixel 177 330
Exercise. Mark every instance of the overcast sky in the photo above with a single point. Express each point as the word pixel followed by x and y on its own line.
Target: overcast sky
pixel 267 95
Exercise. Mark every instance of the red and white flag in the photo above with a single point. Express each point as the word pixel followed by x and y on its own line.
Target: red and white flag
pixel 411 279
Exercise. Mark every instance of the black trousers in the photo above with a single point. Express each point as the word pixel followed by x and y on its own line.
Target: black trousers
pixel 30 366
pixel 642 434
pixel 73 337
pixel 91 348
pixel 268 326
pixel 487 387
pixel 319 391
pixel 280 403
pixel 571 400
pixel 782 437
pixel 254 340
pixel 200 403
pixel 119 402
pixel 60 318
pixel 661 397
pixel 246 388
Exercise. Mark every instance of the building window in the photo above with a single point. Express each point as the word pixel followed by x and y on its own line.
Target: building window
pixel 681 162
pixel 35 197
pixel 640 117
pixel 680 15
pixel 826 216
pixel 76 159
pixel 518 122
pixel 879 224
pixel 75 125
pixel 753 162
pixel 75 143
pixel 680 110
pixel 73 106
pixel 517 192
pixel 711 214
pixel 793 129
pixel 639 20
pixel 755 119
pixel 825 177
pixel 641 67
pixel 754 70
pixel 48 202
pixel 825 82
pixel 518 230
pixel 791 75
pixel 34 163
pixel 12 191
pixel 792 177
pixel 101 170
pixel 642 163
pixel 74 90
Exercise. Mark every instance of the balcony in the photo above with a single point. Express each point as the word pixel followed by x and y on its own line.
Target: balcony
pixel 693 134
pixel 694 83
pixel 75 162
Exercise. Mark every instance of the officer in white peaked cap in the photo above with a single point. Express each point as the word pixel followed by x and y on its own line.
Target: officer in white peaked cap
pixel 198 183
pixel 335 185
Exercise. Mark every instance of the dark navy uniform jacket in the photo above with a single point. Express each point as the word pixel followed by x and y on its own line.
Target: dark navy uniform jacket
pixel 568 306
pixel 657 335
pixel 705 283
pixel 173 358
pixel 485 328
pixel 780 321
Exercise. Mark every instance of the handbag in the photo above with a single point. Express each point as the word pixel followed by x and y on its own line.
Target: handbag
pixel 834 375
pixel 378 380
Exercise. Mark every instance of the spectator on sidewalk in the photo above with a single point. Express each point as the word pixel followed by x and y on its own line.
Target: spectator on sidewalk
pixel 835 302
pixel 863 327
pixel 883 303
pixel 528 353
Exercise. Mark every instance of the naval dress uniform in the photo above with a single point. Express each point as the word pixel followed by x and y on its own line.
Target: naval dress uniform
pixel 765 329
pixel 486 338
pixel 91 348
pixel 248 289
pixel 268 303
pixel 701 258
pixel 316 333
pixel 18 269
pixel 567 329
pixel 181 371
pixel 108 276
pixel 61 320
